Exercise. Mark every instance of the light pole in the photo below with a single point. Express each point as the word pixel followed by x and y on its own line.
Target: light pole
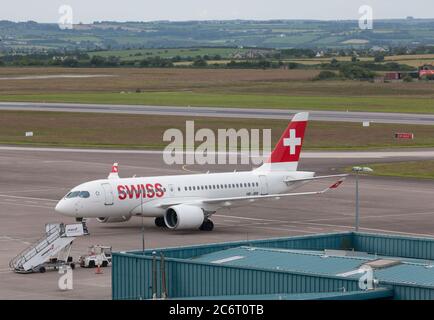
pixel 143 225
pixel 358 170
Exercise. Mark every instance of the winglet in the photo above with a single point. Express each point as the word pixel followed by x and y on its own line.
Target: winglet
pixel 114 174
pixel 337 184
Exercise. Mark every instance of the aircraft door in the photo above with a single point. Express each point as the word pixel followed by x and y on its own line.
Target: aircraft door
pixel 108 194
pixel 263 183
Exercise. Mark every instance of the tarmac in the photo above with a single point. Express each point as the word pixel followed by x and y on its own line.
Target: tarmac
pixel 33 180
pixel 219 112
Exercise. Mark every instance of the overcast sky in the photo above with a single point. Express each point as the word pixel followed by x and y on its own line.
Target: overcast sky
pixel 146 10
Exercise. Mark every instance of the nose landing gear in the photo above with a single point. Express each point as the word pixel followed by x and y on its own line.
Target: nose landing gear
pixel 83 222
pixel 207 225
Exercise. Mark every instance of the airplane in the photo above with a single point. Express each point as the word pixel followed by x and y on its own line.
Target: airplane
pixel 182 202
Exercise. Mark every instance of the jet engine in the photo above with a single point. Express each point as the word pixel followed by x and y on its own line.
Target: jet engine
pixel 182 217
pixel 113 219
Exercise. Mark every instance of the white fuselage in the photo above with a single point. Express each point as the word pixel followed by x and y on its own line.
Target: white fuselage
pixel 124 197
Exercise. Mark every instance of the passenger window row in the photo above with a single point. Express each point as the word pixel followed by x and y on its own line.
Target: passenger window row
pixel 220 186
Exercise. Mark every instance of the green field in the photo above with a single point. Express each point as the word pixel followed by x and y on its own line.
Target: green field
pixel 423 169
pixel 146 131
pixel 234 33
pixel 139 54
pixel 374 104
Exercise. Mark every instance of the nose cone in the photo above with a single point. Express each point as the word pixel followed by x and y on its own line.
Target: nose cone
pixel 64 208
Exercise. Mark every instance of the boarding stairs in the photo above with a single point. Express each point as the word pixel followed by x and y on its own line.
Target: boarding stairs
pixel 56 243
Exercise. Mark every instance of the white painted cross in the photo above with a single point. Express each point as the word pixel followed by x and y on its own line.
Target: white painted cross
pixel 292 141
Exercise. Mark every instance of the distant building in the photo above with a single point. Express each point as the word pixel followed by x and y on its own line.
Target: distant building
pixel 378 49
pixel 249 54
pixel 392 76
pixel 426 70
pixel 400 75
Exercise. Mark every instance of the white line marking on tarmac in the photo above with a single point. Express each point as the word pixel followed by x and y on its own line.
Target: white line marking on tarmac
pixel 409 215
pixel 231 221
pixel 56 161
pixel 18 197
pixel 184 167
pixel 388 188
pixel 315 228
pixel 91 284
pixel 329 218
pixel 368 229
pixel 280 229
pixel 26 205
pixel 267 225
pixel 7 238
pixel 331 225
pixel 32 190
pixel 311 155
pixel 246 218
pixel 108 165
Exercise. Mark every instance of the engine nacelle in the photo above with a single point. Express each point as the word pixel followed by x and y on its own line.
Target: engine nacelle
pixel 182 217
pixel 113 219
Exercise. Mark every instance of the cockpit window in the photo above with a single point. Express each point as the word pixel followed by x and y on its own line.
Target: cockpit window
pixel 73 194
pixel 84 194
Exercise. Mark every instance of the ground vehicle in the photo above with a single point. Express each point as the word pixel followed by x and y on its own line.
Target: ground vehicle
pixel 97 256
pixel 55 264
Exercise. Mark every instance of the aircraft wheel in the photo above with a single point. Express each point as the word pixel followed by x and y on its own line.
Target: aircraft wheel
pixel 207 225
pixel 159 222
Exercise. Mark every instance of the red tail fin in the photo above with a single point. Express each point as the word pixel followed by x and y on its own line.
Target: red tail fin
pixel 288 148
pixel 287 151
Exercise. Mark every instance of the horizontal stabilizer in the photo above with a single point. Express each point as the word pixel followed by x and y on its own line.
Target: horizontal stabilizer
pixel 316 178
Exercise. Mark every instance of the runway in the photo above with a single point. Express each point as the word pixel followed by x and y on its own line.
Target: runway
pixel 32 181
pixel 253 113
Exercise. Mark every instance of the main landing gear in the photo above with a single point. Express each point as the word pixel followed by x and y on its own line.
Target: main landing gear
pixel 159 222
pixel 207 225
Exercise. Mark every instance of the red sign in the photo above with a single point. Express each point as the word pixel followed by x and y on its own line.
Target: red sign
pixel 408 136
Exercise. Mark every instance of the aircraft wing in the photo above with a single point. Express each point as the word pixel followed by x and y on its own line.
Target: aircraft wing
pixel 229 201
